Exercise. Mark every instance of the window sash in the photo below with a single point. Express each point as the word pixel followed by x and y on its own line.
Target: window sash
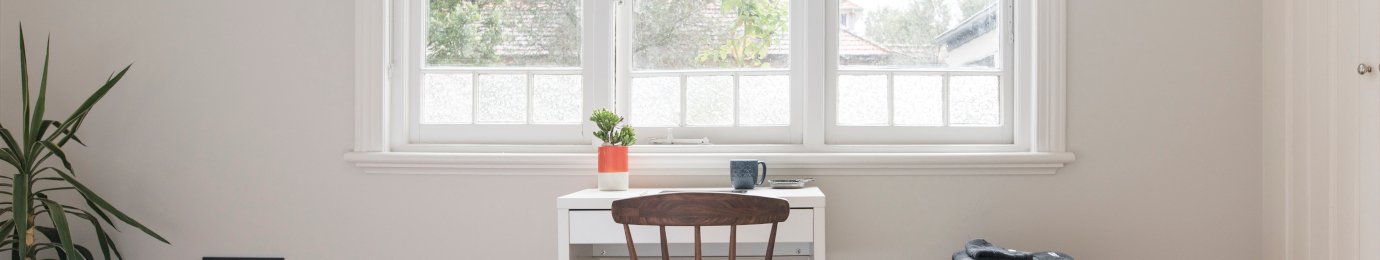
pixel 719 135
pixel 594 70
pixel 947 134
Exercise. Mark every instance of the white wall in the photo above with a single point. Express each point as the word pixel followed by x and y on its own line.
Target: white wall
pixel 228 133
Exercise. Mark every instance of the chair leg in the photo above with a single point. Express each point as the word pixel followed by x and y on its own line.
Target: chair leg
pixel 665 253
pixel 771 241
pixel 632 251
pixel 733 242
pixel 697 243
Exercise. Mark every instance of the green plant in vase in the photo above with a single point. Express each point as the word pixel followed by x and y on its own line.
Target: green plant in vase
pixel 39 140
pixel 613 155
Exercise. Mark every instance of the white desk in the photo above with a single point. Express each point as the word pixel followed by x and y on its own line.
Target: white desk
pixel 586 230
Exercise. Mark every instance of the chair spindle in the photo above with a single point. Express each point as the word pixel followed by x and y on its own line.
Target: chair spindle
pixel 733 242
pixel 771 241
pixel 697 244
pixel 665 253
pixel 632 251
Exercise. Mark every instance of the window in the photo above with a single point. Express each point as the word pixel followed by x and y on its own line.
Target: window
pixel 708 69
pixel 909 72
pixel 497 72
pixel 924 72
pixel 756 77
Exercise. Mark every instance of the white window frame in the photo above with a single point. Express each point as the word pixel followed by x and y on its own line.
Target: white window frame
pixel 410 60
pixel 770 135
pixel 382 142
pixel 1014 94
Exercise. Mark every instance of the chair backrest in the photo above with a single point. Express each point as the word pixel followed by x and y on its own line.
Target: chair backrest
pixel 700 209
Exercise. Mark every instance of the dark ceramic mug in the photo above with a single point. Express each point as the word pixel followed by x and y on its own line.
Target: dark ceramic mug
pixel 743 173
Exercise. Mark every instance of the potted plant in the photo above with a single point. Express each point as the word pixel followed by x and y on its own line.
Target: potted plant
pixel 613 155
pixel 35 143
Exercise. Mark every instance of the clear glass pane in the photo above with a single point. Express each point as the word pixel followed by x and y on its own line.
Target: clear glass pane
pixel 503 33
pixel 764 100
pixel 702 34
pixel 656 101
pixel 974 100
pixel 862 100
pixel 709 101
pixel 919 100
pixel 446 99
pixel 502 98
pixel 556 99
pixel 912 34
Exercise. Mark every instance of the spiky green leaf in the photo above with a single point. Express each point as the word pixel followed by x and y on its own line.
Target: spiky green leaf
pixel 21 216
pixel 13 146
pixel 101 213
pixel 24 86
pixel 85 253
pixel 58 151
pixel 91 101
pixel 100 233
pixel 37 120
pixel 101 203
pixel 59 218
pixel 114 249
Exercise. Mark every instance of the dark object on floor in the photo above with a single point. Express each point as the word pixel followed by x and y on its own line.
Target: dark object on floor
pixel 980 249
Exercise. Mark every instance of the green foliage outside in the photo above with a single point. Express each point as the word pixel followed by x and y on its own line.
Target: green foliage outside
pixel 476 33
pixel 464 30
pixel 669 34
pixel 755 29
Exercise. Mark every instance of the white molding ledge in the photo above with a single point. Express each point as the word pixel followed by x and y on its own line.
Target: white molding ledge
pixel 712 163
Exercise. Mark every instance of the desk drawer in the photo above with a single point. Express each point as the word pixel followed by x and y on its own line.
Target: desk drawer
pixel 597 227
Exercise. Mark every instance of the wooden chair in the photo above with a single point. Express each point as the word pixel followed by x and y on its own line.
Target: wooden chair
pixel 700 209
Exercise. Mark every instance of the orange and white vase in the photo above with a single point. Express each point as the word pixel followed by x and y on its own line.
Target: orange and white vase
pixel 613 168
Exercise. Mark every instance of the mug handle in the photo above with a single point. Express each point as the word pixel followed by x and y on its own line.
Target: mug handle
pixel 764 173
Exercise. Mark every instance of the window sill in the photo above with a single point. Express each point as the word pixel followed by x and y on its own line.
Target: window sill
pixel 794 164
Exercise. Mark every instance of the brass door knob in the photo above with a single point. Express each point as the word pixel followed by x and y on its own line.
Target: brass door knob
pixel 1363 69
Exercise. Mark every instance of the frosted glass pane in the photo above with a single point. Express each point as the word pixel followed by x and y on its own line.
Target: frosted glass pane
pixel 764 100
pixel 709 34
pixel 502 98
pixel 556 99
pixel 709 101
pixel 974 100
pixel 518 33
pixel 446 99
pixel 656 101
pixel 919 100
pixel 862 100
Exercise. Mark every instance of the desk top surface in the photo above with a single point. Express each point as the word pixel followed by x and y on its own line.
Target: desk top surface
pixel 808 197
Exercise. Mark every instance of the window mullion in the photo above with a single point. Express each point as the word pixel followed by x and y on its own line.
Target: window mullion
pixel 530 95
pixel 891 99
pixel 737 112
pixel 684 115
pixel 945 90
pixel 474 98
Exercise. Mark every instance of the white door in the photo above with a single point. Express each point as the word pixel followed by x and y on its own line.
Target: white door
pixel 1367 114
pixel 1322 129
